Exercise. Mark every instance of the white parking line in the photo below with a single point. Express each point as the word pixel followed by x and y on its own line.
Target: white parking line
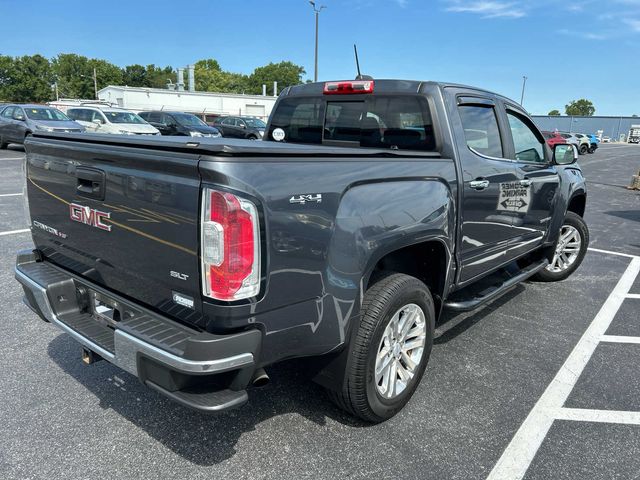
pixel 519 454
pixel 619 339
pixel 600 416
pixel 634 296
pixel 13 232
pixel 10 195
pixel 609 252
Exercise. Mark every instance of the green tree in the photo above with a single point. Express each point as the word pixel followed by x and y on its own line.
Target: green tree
pixel 134 76
pixel 158 77
pixel 554 113
pixel 582 108
pixel 74 74
pixel 25 79
pixel 211 78
pixel 285 73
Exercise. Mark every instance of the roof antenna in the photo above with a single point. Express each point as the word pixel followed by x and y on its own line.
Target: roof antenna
pixel 360 76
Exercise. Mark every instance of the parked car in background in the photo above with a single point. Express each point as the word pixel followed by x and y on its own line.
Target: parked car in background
pixel 585 143
pixel 111 120
pixel 582 145
pixel 606 139
pixel 595 142
pixel 553 138
pixel 180 124
pixel 19 121
pixel 241 127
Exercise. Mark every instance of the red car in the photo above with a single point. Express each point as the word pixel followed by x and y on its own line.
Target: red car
pixel 553 138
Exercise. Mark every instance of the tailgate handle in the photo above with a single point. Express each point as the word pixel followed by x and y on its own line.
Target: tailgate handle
pixel 91 183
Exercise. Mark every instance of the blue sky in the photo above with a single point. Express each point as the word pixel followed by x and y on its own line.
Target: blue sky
pixel 567 49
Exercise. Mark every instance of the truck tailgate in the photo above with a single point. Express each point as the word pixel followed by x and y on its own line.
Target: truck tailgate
pixel 122 217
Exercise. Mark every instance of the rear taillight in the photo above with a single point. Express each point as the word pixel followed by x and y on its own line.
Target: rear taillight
pixel 348 87
pixel 230 246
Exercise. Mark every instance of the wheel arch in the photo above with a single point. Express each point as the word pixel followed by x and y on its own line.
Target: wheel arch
pixel 428 261
pixel 577 203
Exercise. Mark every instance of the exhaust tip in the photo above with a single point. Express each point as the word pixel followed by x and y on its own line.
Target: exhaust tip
pixel 260 378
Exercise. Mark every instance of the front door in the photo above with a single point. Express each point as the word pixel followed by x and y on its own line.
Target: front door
pixel 486 225
pixel 537 185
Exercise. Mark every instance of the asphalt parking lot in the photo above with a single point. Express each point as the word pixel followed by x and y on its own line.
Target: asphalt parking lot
pixel 541 384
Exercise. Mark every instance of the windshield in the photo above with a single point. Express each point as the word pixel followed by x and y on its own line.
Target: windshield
pixel 48 114
pixel 254 123
pixel 189 120
pixel 123 117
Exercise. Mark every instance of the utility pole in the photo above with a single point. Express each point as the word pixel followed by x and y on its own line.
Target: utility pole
pixel 317 11
pixel 95 82
pixel 524 83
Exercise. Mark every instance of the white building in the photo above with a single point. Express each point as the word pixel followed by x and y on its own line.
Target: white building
pixel 207 105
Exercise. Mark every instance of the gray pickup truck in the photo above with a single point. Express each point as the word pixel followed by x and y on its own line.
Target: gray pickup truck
pixel 368 209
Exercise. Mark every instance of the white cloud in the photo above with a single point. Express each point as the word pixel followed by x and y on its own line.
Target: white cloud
pixel 402 3
pixel 585 35
pixel 488 8
pixel 634 24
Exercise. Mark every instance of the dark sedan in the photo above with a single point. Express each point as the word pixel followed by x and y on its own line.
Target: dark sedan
pixel 19 121
pixel 179 124
pixel 241 127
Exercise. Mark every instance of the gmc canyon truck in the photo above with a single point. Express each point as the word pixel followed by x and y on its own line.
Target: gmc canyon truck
pixel 368 209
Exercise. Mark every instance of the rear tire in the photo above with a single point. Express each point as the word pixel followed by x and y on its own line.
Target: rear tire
pixel 571 249
pixel 390 350
pixel 584 149
pixel 3 144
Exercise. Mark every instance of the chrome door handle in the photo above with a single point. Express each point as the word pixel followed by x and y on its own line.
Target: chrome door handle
pixel 526 182
pixel 479 184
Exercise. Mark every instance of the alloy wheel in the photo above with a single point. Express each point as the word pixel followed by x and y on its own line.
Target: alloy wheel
pixel 400 351
pixel 567 249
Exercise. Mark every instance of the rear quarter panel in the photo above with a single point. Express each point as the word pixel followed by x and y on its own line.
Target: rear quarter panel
pixel 317 254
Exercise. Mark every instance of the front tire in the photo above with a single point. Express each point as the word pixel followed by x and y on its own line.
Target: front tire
pixel 390 350
pixel 584 149
pixel 571 249
pixel 3 144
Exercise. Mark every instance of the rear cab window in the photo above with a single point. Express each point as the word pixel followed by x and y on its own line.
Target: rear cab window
pixel 397 122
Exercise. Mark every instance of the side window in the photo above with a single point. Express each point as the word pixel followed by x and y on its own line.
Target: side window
pixel 18 113
pixel 97 115
pixel 527 145
pixel 481 130
pixel 8 112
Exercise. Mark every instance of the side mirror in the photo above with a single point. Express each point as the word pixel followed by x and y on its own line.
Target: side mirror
pixel 565 154
pixel 19 117
pixel 97 121
pixel 242 125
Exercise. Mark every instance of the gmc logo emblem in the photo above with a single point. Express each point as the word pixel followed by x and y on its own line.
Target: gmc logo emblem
pixel 89 216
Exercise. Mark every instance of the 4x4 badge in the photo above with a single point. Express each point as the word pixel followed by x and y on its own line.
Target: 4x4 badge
pixel 302 199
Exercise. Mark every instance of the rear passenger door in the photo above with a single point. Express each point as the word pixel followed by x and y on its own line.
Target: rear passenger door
pixel 537 180
pixel 487 173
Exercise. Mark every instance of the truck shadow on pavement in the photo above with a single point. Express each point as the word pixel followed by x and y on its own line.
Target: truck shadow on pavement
pixel 461 322
pixel 201 439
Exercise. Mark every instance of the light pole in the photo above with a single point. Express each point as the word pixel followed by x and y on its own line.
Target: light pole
pixel 524 83
pixel 317 11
